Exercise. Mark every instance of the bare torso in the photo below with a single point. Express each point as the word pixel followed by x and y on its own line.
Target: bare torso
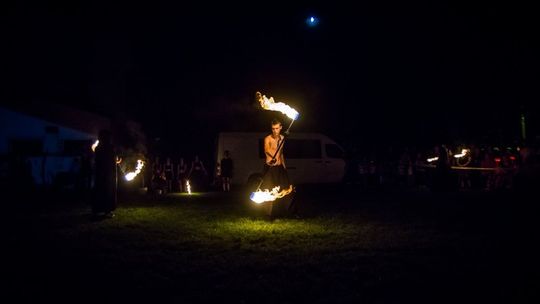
pixel 270 147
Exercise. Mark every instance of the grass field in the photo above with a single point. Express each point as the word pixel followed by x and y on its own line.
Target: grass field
pixel 347 247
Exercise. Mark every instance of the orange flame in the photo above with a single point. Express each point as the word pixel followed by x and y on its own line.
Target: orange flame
pixel 270 104
pixel 462 154
pixel 260 197
pixel 94 145
pixel 131 175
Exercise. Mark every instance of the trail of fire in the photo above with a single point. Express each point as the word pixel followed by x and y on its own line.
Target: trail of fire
pixel 95 144
pixel 260 197
pixel 270 104
pixel 463 153
pixel 131 175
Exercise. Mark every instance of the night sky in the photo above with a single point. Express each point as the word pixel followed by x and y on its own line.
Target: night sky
pixel 395 72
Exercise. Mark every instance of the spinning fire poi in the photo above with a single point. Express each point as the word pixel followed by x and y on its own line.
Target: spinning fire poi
pixel 275 175
pixel 130 175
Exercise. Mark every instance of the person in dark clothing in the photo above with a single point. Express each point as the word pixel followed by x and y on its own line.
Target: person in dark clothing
pixel 181 175
pixel 442 178
pixel 197 174
pixel 106 180
pixel 168 169
pixel 226 166
pixel 276 172
pixel 86 174
pixel 158 181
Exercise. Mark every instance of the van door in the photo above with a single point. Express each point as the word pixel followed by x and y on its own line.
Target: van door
pixel 303 158
pixel 334 164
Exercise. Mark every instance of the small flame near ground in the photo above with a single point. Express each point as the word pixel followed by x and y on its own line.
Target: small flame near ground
pixel 261 196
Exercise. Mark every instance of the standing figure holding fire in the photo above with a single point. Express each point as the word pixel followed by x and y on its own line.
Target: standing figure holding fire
pixel 275 168
pixel 106 180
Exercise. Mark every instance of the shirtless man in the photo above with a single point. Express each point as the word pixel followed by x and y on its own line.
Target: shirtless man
pixel 276 173
pixel 271 143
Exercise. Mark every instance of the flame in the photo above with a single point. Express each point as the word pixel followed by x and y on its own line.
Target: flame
pixel 270 104
pixel 188 187
pixel 260 197
pixel 94 145
pixel 432 159
pixel 463 153
pixel 131 175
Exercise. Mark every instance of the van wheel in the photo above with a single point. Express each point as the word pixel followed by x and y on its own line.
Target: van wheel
pixel 253 182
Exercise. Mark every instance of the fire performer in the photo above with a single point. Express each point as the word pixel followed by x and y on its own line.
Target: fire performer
pixel 276 170
pixel 106 180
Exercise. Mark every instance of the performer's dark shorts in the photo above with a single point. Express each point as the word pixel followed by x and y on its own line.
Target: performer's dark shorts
pixel 275 176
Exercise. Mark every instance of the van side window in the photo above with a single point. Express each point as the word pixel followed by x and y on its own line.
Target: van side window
pixel 297 148
pixel 76 147
pixel 333 151
pixel 303 148
pixel 26 146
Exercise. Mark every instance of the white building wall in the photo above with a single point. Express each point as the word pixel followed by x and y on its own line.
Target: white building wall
pixel 15 125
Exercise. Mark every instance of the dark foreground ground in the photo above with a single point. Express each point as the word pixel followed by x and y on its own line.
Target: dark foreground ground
pixel 384 247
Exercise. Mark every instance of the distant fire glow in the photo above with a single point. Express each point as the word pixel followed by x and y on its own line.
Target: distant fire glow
pixel 131 175
pixel 260 197
pixel 95 144
pixel 188 187
pixel 463 153
pixel 270 104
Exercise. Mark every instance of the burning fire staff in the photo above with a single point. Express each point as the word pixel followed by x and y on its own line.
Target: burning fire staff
pixel 275 180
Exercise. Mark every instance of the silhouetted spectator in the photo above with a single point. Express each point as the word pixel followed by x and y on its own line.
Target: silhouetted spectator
pixel 168 169
pixel 181 174
pixel 157 176
pixel 226 166
pixel 442 178
pixel 197 174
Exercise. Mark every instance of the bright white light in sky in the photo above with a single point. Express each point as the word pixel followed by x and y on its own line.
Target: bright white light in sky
pixel 312 21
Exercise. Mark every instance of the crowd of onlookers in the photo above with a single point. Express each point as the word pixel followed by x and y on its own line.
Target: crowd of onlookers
pixel 179 175
pixel 158 176
pixel 176 176
pixel 445 167
pixel 438 168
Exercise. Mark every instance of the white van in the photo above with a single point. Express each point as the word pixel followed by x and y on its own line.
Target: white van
pixel 310 157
